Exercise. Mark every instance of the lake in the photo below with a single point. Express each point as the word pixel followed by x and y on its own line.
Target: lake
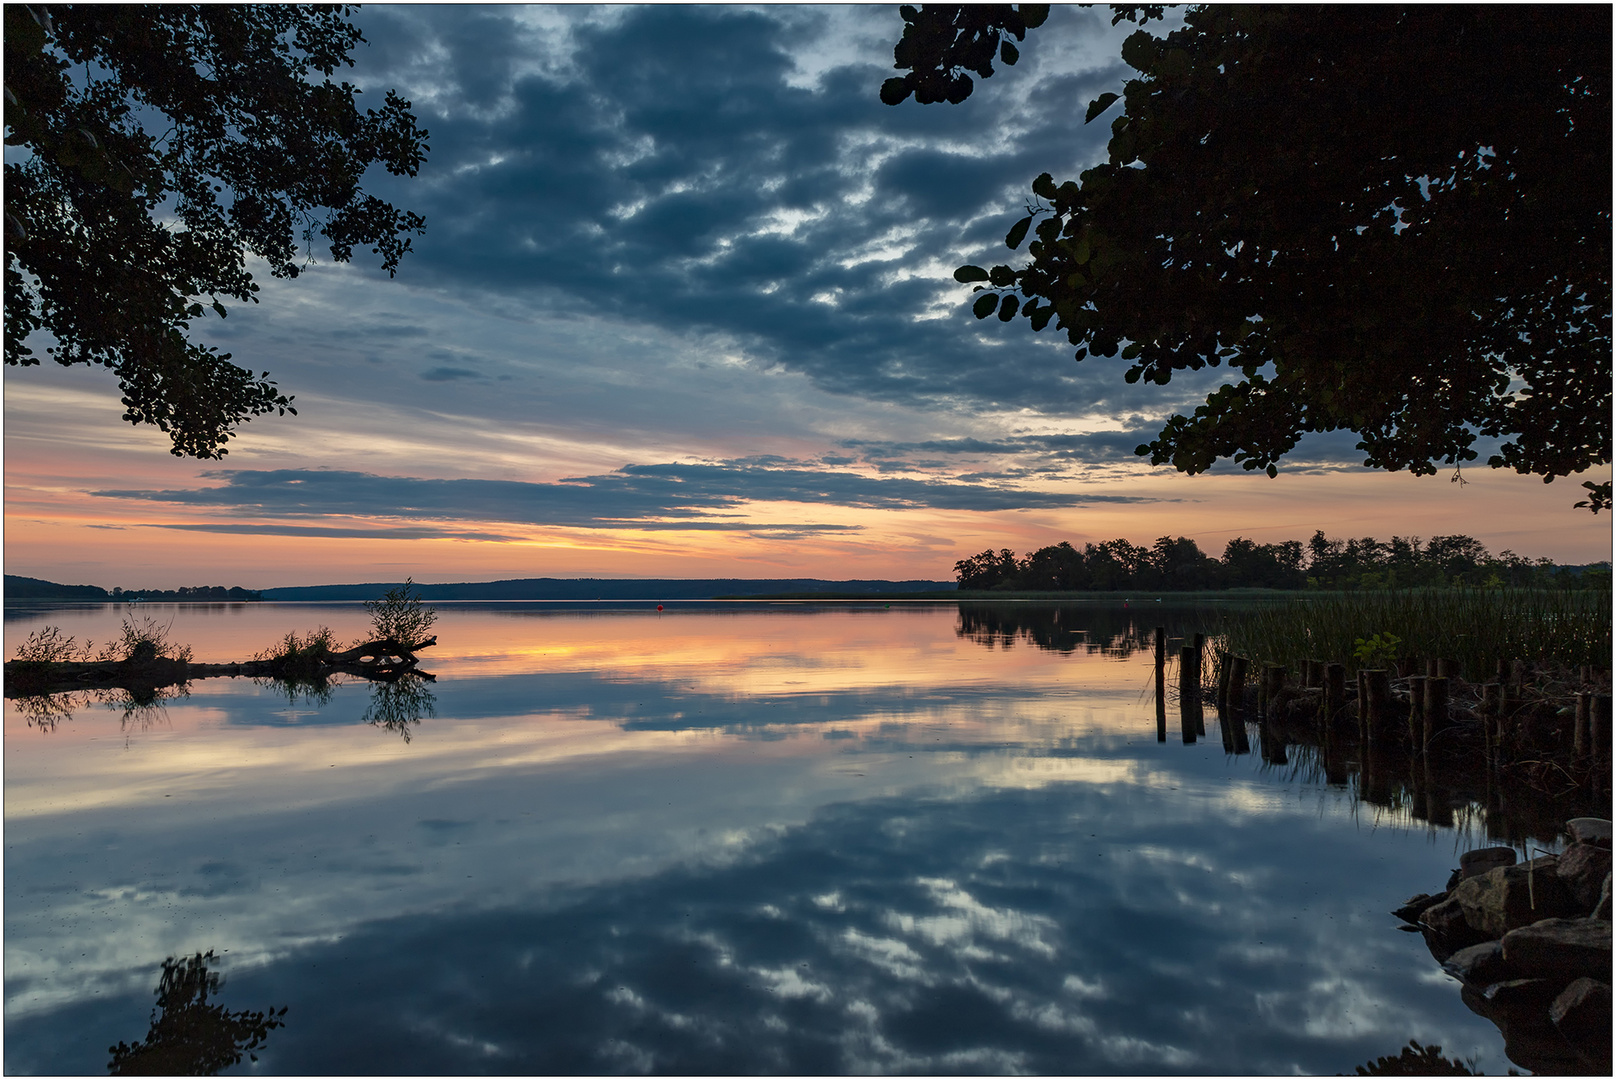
pixel 720 838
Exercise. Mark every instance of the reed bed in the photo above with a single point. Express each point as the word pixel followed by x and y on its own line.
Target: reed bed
pixel 1476 627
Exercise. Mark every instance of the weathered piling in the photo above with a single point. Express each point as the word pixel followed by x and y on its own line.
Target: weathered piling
pixel 1312 674
pixel 1416 713
pixel 1377 704
pixel 1222 698
pixel 1436 707
pixel 1188 693
pixel 1235 692
pixel 1199 644
pixel 1273 681
pixel 1447 669
pixel 1161 684
pixel 1335 691
pixel 1492 719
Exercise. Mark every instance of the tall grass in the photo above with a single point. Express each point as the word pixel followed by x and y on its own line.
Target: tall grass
pixel 1477 627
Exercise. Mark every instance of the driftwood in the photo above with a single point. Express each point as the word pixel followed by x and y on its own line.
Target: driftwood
pixel 384 660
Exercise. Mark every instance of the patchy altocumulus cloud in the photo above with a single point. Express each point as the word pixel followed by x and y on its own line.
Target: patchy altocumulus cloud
pixel 674 166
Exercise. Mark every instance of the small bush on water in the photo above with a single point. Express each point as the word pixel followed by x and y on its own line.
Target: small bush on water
pixel 400 615
pixel 48 645
pixel 300 657
pixel 144 641
pixel 1477 627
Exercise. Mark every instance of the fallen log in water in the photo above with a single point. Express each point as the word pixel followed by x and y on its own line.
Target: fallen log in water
pixel 385 660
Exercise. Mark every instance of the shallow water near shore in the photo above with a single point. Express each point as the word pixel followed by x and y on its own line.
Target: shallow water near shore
pixel 751 837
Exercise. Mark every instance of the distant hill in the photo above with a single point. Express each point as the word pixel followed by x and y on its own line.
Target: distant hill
pixel 29 588
pixel 607 589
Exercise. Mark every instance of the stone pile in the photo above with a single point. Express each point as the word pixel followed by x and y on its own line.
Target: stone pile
pixel 1531 944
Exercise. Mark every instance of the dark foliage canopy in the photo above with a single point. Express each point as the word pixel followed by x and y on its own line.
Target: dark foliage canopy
pixel 165 144
pixel 1390 220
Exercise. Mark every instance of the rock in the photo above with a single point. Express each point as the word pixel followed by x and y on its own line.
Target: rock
pixel 1416 904
pixel 1582 1015
pixel 1602 909
pixel 1583 868
pixel 1522 996
pixel 1589 830
pixel 1530 1040
pixel 1479 965
pixel 1478 862
pixel 1446 929
pixel 1504 898
pixel 1560 948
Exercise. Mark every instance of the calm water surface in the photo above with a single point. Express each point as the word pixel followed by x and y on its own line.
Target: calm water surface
pixel 745 838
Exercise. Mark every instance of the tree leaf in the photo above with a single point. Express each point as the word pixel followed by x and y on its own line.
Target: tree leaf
pixel 1017 233
pixel 967 274
pixel 1007 307
pixel 984 305
pixel 895 90
pixel 1008 52
pixel 1099 105
pixel 1044 186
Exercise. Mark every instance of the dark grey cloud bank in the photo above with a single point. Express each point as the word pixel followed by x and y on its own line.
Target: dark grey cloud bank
pixel 697 496
pixel 659 166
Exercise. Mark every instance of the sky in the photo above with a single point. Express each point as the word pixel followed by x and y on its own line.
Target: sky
pixel 685 308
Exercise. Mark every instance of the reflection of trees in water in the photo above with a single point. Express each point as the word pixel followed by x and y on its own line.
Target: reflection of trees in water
pixel 1417 1060
pixel 1058 628
pixel 305 692
pixel 188 1035
pixel 395 704
pixel 45 711
pixel 140 708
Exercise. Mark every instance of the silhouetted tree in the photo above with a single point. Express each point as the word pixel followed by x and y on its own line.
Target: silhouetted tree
pixel 158 146
pixel 1391 220
pixel 190 1036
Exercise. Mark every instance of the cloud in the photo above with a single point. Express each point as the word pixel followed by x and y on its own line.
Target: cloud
pixel 635 496
pixel 671 166
pixel 446 374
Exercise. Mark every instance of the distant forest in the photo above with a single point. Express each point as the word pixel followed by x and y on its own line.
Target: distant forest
pixel 27 588
pixel 1179 565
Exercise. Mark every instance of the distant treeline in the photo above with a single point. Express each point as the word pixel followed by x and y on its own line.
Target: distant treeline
pixel 1179 565
pixel 27 588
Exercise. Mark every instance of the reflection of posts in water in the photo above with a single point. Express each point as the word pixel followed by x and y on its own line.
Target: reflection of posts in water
pixel 189 1036
pixel 1161 684
pixel 395 704
pixel 1188 698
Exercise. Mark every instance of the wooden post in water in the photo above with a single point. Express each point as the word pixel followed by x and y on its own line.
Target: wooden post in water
pixel 1492 719
pixel 1377 704
pixel 1235 693
pixel 1436 707
pixel 1186 692
pixel 1447 669
pixel 1273 681
pixel 1200 711
pixel 1161 684
pixel 1223 680
pixel 1416 714
pixel 1312 674
pixel 1335 691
